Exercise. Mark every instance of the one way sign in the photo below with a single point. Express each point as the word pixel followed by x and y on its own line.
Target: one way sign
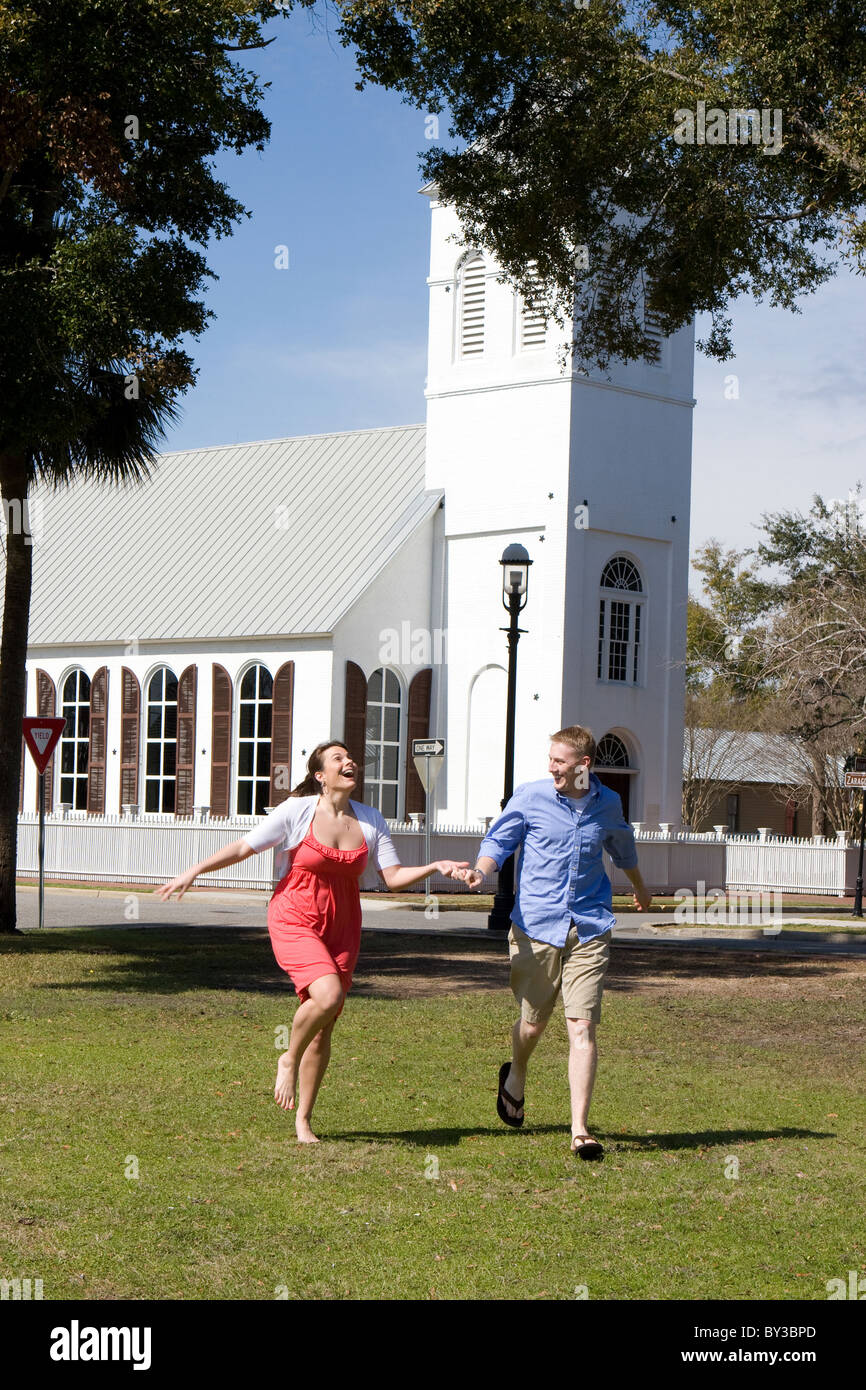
pixel 42 735
pixel 428 747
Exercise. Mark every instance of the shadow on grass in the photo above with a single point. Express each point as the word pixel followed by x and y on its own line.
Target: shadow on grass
pixel 638 1143
pixel 155 960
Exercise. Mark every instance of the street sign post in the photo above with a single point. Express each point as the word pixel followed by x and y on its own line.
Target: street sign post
pixel 428 755
pixel 42 735
pixel 856 777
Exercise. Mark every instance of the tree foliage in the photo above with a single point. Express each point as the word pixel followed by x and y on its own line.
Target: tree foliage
pixel 110 118
pixel 563 123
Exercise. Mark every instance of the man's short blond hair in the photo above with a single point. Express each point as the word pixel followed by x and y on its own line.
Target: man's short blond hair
pixel 578 738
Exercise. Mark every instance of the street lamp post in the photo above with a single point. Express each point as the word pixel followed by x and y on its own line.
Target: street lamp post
pixel 515 564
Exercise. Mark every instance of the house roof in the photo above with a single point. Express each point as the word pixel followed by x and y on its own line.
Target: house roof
pixel 271 538
pixel 732 756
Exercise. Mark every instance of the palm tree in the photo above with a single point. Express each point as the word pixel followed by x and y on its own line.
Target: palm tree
pixel 109 123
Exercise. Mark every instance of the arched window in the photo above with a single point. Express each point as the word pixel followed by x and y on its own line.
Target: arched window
pixel 471 289
pixel 620 617
pixel 160 759
pixel 255 715
pixel 75 743
pixel 533 319
pixel 382 742
pixel 611 752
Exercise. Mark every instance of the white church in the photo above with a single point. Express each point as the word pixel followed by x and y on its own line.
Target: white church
pixel 203 631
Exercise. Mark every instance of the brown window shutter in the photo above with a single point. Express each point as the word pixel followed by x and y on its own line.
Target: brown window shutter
pixel 186 701
pixel 96 749
pixel 129 720
pixel 355 723
pixel 220 741
pixel 46 698
pixel 281 733
pixel 417 726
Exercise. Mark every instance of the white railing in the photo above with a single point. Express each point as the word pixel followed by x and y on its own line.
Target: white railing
pixel 152 849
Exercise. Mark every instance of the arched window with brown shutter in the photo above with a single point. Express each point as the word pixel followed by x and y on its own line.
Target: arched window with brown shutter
pixel 355 722
pixel 281 733
pixel 75 692
pixel 186 702
pixel 96 751
pixel 220 741
pixel 130 714
pixel 417 726
pixel 46 697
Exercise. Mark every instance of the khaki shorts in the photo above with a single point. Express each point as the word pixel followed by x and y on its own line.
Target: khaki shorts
pixel 539 971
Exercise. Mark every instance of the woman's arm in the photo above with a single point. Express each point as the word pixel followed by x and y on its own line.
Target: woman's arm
pixel 229 854
pixel 399 876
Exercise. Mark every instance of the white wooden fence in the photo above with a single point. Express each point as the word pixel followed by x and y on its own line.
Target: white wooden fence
pixel 153 849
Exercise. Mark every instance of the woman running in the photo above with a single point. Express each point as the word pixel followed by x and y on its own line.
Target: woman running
pixel 323 842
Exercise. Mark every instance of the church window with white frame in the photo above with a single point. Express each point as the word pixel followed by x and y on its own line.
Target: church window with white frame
pixel 255 716
pixel 75 741
pixel 160 756
pixel 471 301
pixel 620 622
pixel 382 742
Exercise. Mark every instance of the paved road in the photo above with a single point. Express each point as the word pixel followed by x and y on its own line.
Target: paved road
pixel 72 907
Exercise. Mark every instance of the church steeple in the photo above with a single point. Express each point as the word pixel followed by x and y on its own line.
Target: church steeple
pixel 592 475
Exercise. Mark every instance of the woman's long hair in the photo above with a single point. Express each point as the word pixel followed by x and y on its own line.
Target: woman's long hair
pixel 311 786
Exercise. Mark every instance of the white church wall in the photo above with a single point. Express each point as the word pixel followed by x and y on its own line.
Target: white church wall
pixel 391 626
pixel 312 690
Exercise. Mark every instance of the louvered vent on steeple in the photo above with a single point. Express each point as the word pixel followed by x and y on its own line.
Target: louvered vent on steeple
pixel 533 320
pixel 472 294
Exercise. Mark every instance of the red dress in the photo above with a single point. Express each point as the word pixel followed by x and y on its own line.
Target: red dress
pixel 314 915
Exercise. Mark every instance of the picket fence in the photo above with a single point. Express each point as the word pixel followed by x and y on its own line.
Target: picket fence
pixel 152 849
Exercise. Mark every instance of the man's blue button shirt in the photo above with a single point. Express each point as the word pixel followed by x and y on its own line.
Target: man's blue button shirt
pixel 560 874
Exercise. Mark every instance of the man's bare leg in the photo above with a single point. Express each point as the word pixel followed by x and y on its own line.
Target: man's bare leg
pixel 326 996
pixel 582 1063
pixel 524 1038
pixel 314 1064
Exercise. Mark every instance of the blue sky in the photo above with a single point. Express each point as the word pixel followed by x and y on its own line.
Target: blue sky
pixel 338 340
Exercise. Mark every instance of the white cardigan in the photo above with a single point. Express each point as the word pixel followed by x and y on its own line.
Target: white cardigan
pixel 287 825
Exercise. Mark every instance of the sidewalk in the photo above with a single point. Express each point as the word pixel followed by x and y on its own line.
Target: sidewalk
pixel 73 907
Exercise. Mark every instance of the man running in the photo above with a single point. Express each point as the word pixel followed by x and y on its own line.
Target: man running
pixel 561 921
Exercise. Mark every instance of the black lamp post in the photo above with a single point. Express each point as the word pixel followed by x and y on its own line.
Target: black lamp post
pixel 515 564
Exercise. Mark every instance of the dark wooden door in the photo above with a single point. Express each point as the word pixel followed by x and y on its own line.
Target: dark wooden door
pixel 619 783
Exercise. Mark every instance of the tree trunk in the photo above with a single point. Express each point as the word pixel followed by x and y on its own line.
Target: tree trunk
pixel 817 812
pixel 13 670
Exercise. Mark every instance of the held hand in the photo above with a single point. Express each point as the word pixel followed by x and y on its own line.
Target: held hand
pixel 471 877
pixel 451 868
pixel 178 885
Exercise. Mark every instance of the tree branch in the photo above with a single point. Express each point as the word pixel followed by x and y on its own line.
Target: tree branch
pixel 244 47
pixel 815 137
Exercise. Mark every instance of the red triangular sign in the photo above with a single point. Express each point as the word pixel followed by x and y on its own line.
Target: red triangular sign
pixel 42 735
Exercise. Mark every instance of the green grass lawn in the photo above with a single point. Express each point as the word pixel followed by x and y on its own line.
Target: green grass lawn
pixel 150 1051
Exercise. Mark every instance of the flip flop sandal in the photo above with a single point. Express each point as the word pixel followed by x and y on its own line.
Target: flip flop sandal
pixel 591 1149
pixel 514 1120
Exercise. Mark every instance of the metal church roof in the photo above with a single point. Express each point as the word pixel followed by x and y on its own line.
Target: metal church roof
pixel 272 538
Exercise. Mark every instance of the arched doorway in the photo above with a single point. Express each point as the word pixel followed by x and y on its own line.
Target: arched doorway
pixel 612 756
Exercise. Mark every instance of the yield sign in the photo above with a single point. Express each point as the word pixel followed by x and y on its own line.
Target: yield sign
pixel 42 735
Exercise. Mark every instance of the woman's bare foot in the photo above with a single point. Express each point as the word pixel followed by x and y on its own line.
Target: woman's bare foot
pixel 286 1083
pixel 304 1133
